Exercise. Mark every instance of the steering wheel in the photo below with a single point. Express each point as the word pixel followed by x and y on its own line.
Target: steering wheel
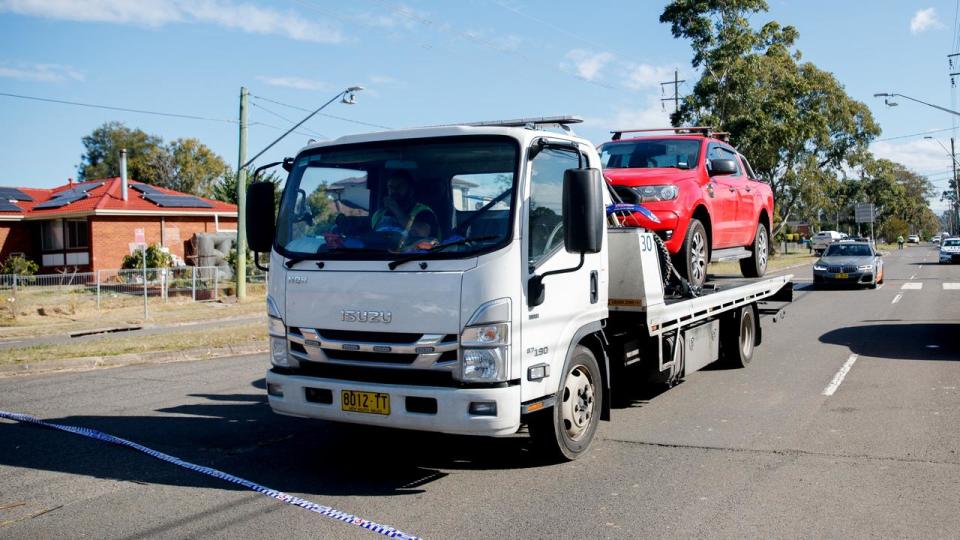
pixel 552 236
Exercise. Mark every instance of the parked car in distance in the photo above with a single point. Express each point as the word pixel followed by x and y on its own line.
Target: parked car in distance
pixel 822 239
pixel 935 239
pixel 709 201
pixel 950 250
pixel 913 239
pixel 854 263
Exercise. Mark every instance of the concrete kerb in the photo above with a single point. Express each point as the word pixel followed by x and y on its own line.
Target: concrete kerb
pixel 160 357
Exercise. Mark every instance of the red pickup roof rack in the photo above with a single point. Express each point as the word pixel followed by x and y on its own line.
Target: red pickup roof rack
pixel 703 131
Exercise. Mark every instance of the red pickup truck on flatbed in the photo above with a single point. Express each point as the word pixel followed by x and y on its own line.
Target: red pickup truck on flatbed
pixel 710 204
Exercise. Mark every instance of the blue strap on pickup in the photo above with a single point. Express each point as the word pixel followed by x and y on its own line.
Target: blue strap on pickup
pixel 327 511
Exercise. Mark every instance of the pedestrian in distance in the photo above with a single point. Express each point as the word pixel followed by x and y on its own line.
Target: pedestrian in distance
pixel 900 242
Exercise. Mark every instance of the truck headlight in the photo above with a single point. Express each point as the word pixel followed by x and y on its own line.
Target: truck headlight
pixel 485 349
pixel 279 356
pixel 487 365
pixel 656 193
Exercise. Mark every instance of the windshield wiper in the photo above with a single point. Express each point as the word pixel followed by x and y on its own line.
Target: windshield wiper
pixel 419 255
pixel 319 256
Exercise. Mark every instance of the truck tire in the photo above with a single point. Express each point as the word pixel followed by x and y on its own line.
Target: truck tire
pixel 694 254
pixel 756 264
pixel 566 430
pixel 737 335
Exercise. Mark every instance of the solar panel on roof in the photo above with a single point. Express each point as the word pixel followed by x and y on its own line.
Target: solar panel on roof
pixel 77 190
pixel 8 193
pixel 7 206
pixel 145 188
pixel 176 201
pixel 57 202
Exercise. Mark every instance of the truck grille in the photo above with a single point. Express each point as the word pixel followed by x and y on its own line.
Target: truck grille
pixel 386 349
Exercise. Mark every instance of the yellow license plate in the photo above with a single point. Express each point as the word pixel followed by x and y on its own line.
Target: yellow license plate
pixel 365 402
pixel 842 276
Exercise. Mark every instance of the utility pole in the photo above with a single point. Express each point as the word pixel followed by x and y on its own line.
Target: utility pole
pixel 676 90
pixel 956 188
pixel 242 200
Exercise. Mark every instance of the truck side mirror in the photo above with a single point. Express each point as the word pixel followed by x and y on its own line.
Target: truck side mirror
pixel 720 167
pixel 261 221
pixel 583 212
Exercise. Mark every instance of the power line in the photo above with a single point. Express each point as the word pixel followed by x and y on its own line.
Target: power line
pixel 296 108
pixel 913 135
pixel 122 109
pixel 285 119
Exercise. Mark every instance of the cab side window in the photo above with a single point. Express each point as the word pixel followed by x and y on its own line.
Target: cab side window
pixel 546 202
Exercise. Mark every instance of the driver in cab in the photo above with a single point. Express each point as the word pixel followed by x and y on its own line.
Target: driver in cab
pixel 400 212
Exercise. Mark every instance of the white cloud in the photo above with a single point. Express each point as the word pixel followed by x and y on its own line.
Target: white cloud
pixel 924 20
pixel 641 76
pixel 588 64
pixel 923 156
pixel 295 82
pixel 650 115
pixel 52 73
pixel 383 79
pixel 241 16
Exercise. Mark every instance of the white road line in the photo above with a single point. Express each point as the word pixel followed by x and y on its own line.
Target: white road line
pixel 838 378
pixel 951 286
pixel 913 276
pixel 912 286
pixel 896 298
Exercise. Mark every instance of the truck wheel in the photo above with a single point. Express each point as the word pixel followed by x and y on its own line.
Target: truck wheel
pixel 694 254
pixel 565 431
pixel 737 335
pixel 756 264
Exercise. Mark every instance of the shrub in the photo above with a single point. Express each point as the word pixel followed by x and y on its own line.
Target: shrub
pixel 19 265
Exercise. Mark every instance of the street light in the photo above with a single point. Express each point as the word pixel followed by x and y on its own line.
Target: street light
pixel 347 97
pixel 886 99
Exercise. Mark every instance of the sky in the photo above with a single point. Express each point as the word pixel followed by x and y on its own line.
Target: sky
pixel 422 63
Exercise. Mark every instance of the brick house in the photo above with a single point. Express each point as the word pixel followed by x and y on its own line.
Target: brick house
pixel 91 226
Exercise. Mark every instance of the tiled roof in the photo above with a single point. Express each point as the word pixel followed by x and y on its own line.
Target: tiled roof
pixel 106 197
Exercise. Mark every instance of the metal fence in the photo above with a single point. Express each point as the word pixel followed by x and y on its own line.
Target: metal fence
pixel 105 289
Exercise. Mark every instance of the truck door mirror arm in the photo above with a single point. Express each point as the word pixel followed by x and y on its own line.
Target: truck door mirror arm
pixel 536 290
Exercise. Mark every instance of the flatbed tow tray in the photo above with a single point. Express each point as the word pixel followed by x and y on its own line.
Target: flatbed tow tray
pixel 678 312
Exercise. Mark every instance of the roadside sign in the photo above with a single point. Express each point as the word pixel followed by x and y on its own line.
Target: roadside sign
pixel 138 236
pixel 865 213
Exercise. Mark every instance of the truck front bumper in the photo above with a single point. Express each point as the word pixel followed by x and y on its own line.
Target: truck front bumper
pixel 452 405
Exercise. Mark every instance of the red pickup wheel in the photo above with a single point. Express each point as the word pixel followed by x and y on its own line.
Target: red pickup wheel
pixel 756 264
pixel 694 254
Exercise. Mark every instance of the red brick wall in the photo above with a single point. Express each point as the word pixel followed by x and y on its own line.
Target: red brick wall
pixel 111 236
pixel 15 236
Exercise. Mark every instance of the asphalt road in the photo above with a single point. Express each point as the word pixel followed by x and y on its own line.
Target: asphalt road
pixel 758 452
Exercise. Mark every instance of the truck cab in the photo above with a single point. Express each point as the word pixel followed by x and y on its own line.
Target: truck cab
pixel 378 319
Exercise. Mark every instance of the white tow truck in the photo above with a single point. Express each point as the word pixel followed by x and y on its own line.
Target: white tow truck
pixel 467 279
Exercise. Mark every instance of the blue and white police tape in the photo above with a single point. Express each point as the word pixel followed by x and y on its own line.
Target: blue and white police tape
pixel 389 532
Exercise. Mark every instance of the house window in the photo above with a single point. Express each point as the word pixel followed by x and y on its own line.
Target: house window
pixel 52 235
pixel 58 234
pixel 77 236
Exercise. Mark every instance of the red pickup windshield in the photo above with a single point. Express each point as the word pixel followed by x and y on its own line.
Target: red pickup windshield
pixel 650 153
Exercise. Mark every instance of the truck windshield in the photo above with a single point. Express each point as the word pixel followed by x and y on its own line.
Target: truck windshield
pixel 450 197
pixel 650 154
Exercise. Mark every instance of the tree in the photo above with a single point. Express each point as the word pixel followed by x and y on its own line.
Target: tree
pixel 101 158
pixel 795 122
pixel 189 166
pixel 185 165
